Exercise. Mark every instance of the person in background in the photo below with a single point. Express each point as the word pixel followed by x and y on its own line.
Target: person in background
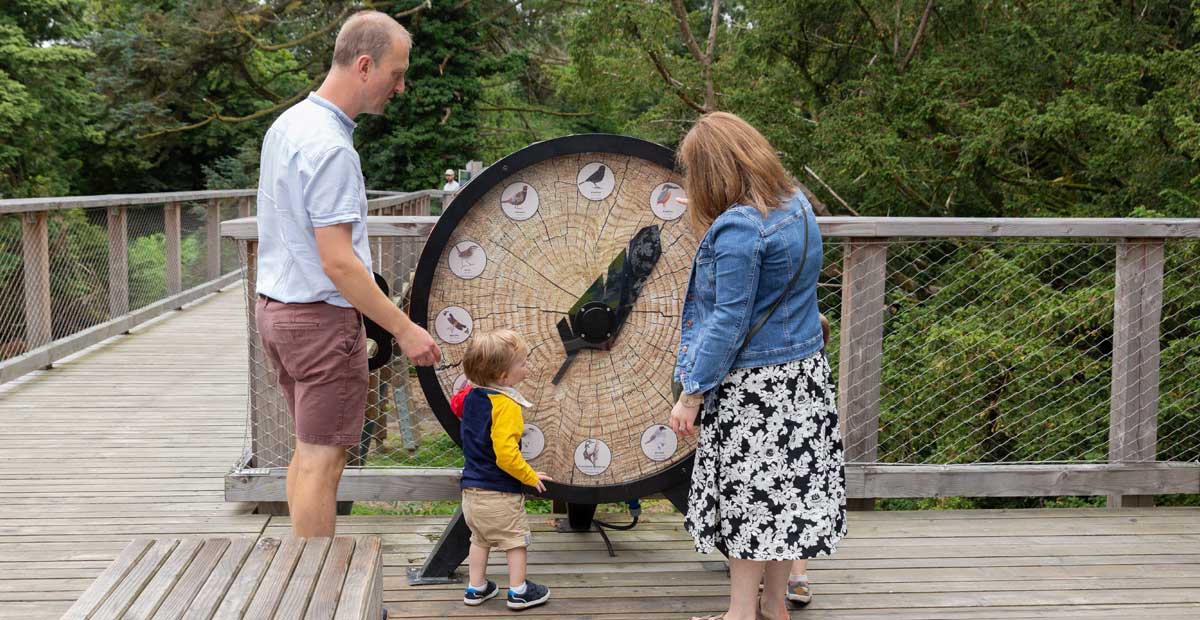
pixel 451 184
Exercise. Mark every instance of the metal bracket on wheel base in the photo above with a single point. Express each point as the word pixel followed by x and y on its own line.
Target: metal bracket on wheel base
pixel 447 555
pixel 579 519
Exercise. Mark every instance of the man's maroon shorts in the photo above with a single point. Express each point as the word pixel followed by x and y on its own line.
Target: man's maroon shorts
pixel 319 352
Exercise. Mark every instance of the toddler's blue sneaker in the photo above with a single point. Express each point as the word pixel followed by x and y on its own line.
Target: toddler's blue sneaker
pixel 533 596
pixel 477 597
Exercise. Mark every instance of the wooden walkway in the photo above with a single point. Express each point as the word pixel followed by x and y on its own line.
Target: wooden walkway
pixel 134 438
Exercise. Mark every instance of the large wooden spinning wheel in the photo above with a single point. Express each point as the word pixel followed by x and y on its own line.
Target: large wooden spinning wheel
pixel 579 244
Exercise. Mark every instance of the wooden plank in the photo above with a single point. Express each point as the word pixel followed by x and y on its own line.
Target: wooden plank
pixel 362 595
pixel 35 256
pixel 862 481
pixel 246 206
pixel 859 369
pixel 880 227
pixel 1137 308
pixel 166 577
pixel 46 355
pixel 209 598
pixel 270 590
pixel 212 240
pixel 171 231
pixel 123 597
pixel 271 427
pixel 1020 480
pixel 268 485
pixel 109 579
pixel 192 580
pixel 237 599
pixel 377 226
pixel 300 586
pixel 333 575
pixel 118 261
pixel 401 200
pixel 884 227
pixel 22 205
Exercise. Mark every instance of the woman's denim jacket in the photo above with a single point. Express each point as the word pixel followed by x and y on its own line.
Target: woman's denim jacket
pixel 743 264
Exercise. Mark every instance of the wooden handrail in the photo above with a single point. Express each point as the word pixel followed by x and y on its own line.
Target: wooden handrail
pixel 882 228
pixel 25 205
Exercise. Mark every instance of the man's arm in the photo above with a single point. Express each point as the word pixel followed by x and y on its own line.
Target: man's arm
pixel 357 285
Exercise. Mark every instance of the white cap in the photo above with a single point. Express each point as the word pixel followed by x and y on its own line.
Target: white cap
pixel 449 171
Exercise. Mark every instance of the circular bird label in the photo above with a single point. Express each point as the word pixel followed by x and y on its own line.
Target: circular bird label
pixel 659 442
pixel 460 382
pixel 532 442
pixel 664 201
pixel 519 201
pixel 467 260
pixel 592 457
pixel 453 325
pixel 595 181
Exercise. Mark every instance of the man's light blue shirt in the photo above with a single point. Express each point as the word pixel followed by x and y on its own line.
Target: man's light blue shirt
pixel 309 176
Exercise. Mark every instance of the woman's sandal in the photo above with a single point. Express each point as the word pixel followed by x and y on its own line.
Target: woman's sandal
pixel 761 614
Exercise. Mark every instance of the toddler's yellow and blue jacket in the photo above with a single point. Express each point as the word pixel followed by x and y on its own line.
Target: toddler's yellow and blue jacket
pixel 491 439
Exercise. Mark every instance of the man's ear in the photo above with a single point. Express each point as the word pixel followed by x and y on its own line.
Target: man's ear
pixel 362 64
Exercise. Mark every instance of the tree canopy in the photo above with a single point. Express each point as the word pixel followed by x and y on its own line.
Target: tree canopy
pixel 902 107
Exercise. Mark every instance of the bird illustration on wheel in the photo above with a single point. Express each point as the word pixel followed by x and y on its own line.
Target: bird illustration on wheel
pixel 595 181
pixel 518 198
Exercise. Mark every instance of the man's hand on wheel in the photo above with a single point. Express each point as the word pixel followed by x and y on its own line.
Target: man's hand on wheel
pixel 418 346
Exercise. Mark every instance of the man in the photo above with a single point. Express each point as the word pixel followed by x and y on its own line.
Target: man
pixel 314 263
pixel 451 185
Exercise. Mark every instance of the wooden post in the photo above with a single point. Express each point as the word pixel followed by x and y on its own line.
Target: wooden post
pixel 118 261
pixel 473 169
pixel 863 276
pixel 35 247
pixel 1137 308
pixel 212 221
pixel 244 205
pixel 270 425
pixel 387 258
pixel 174 273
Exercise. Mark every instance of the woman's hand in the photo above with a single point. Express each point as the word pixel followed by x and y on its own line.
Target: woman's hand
pixel 683 418
pixel 541 486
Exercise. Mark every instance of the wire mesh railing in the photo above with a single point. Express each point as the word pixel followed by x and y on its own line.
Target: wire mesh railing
pixel 996 351
pixel 990 350
pixel 399 428
pixel 76 270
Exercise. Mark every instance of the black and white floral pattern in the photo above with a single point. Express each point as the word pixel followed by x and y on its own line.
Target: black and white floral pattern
pixel 769 480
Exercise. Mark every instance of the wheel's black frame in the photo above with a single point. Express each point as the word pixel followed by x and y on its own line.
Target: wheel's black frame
pixel 675 476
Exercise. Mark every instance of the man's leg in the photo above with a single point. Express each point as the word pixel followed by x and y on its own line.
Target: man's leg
pixel 313 477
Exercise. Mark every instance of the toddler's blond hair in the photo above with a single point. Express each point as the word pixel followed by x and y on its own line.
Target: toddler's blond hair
pixel 491 354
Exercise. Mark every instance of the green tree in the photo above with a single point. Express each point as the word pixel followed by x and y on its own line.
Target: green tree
pixel 46 99
pixel 434 124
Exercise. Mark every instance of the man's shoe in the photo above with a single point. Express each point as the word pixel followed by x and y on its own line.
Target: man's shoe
pixel 533 596
pixel 477 597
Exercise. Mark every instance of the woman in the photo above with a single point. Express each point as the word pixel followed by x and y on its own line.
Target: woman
pixel 768 486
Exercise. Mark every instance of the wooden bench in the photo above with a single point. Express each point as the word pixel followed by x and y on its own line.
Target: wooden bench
pixel 239 579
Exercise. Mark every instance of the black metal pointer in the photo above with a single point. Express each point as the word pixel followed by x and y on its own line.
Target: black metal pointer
pixel 596 318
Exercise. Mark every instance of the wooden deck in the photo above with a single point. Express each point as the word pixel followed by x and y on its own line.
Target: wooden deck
pixel 133 439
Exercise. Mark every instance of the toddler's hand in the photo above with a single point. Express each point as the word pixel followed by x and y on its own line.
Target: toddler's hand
pixel 542 476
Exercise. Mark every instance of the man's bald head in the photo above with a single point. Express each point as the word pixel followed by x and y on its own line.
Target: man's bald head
pixel 369 33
